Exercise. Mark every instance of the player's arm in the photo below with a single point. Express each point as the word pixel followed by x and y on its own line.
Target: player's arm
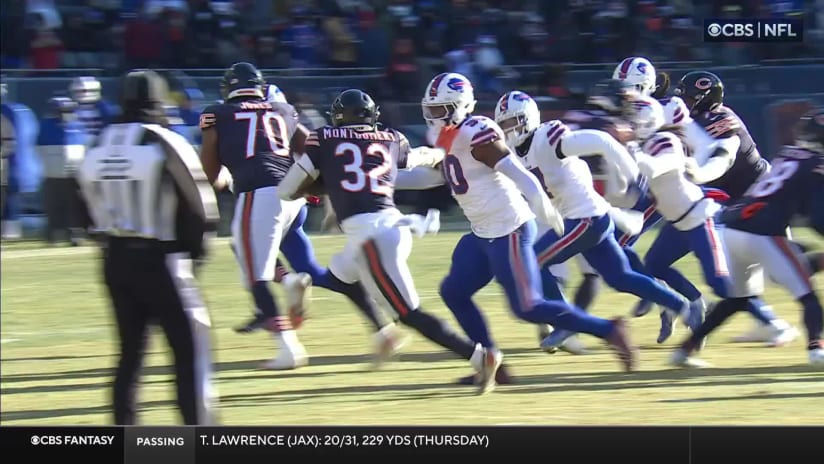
pixel 419 178
pixel 816 211
pixel 208 150
pixel 666 154
pixel 496 155
pixel 298 142
pixel 303 172
pixel 588 141
pixel 720 144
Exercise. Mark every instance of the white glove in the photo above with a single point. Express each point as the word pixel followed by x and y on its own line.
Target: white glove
pixel 691 166
pixel 627 220
pixel 548 215
pixel 421 225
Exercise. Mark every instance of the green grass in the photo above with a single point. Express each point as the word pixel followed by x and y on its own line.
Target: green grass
pixel 59 347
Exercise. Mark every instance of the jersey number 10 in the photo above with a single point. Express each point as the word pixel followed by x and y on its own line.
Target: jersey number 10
pixel 274 127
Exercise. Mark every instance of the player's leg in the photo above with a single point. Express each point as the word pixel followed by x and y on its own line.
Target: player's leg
pixel 187 325
pixel 589 287
pixel 784 265
pixel 241 229
pixel 264 220
pixel 514 264
pixel 298 250
pixel 469 272
pixel 132 325
pixel 607 257
pixel 670 246
pixel 387 274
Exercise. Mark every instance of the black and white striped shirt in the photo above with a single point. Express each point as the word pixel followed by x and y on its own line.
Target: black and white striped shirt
pixel 145 181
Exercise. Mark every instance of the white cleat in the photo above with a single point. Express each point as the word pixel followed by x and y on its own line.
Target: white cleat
pixel 760 333
pixel 817 357
pixel 486 362
pixel 782 333
pixel 288 359
pixel 298 289
pixel 388 342
pixel 574 345
pixel 680 358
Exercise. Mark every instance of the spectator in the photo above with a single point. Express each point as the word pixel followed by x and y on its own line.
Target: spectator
pixel 340 41
pixel 373 46
pixel 403 71
pixel 45 47
pixel 488 61
pixel 205 30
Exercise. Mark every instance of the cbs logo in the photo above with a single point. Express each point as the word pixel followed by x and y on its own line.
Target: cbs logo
pixel 730 30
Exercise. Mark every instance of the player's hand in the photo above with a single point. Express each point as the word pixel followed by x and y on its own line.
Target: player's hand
pixel 692 168
pixel 312 200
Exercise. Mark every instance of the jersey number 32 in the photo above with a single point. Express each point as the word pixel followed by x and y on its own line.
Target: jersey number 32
pixel 366 169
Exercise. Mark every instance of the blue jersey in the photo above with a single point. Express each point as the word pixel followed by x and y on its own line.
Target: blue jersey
pixel 793 187
pixel 253 141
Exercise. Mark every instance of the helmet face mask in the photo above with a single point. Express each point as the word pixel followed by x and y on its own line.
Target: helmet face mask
pixel 701 91
pixel 809 131
pixel 646 117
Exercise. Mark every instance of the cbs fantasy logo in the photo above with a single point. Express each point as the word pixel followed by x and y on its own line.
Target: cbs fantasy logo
pixel 753 30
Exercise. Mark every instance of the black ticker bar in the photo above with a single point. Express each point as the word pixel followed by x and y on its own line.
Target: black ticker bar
pixel 222 445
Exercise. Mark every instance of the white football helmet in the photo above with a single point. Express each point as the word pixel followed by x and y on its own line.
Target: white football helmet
pixel 518 116
pixel 85 89
pixel 274 94
pixel 646 117
pixel 449 99
pixel 638 73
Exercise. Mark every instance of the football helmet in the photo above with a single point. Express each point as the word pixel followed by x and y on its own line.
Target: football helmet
pixel 354 107
pixel 242 80
pixel 274 94
pixel 449 99
pixel 701 91
pixel 809 132
pixel 637 73
pixel 85 90
pixel 612 96
pixel 646 117
pixel 518 116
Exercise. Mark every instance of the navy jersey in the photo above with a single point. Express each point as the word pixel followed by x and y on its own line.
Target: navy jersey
pixel 253 141
pixel 721 123
pixel 793 187
pixel 358 166
pixel 596 120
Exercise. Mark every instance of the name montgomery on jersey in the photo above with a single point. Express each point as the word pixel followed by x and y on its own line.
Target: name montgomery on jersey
pixel 344 133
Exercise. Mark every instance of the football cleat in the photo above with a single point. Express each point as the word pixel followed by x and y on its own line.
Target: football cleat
pixel 388 342
pixel 781 333
pixel 680 358
pixel 816 353
pixel 288 358
pixel 486 362
pixel 619 341
pixel 258 322
pixel 502 377
pixel 298 291
pixel 642 308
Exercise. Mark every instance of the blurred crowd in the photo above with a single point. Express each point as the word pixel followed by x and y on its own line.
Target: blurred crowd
pixel 399 35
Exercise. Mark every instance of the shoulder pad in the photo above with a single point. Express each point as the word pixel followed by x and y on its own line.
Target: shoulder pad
pixel 208 118
pixel 313 139
pixel 481 130
pixel 676 112
pixel 660 142
pixel 722 124
pixel 554 130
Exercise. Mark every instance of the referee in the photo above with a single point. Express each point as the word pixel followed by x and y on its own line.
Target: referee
pixel 148 200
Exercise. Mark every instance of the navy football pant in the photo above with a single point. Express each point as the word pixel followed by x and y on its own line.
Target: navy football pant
pixel 511 261
pixel 594 238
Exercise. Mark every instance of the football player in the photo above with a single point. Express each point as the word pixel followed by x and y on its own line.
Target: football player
pixel 553 153
pixel 92 111
pixel 501 198
pixel 714 155
pixel 251 138
pixel 356 163
pixel 755 233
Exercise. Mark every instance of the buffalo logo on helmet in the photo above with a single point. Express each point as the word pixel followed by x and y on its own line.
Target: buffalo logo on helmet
pixel 505 103
pixel 642 67
pixel 457 84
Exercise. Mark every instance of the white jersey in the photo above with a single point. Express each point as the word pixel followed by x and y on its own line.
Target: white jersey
pixel 490 200
pixel 289 115
pixel 695 138
pixel 680 201
pixel 566 177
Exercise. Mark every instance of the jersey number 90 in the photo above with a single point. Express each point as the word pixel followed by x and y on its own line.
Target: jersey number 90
pixel 453 172
pixel 274 128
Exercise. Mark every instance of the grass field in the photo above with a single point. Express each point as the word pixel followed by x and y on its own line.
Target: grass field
pixel 59 348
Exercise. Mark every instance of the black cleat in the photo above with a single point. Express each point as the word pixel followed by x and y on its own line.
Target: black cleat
pixel 257 323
